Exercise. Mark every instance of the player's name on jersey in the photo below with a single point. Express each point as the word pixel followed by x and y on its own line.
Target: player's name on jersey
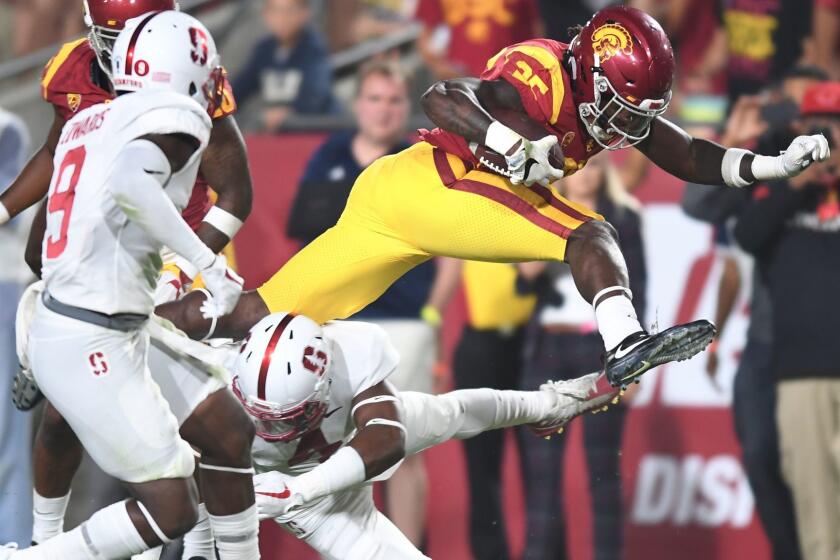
pixel 81 128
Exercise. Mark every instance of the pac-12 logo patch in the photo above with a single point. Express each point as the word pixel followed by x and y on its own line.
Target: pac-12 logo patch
pixel 611 39
pixel 74 101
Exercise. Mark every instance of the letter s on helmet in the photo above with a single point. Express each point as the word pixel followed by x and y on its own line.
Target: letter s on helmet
pixel 106 18
pixel 169 51
pixel 622 67
pixel 281 376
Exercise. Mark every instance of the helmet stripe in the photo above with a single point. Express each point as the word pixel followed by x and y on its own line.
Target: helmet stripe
pixel 129 56
pixel 269 352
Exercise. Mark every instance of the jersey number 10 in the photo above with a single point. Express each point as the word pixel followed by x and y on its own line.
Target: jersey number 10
pixel 61 200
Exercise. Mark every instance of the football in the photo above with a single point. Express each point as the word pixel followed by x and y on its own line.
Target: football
pixel 521 123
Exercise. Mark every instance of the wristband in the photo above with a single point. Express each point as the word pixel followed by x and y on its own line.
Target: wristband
pixel 431 315
pixel 766 168
pixel 341 471
pixel 4 214
pixel 223 221
pixel 730 167
pixel 501 139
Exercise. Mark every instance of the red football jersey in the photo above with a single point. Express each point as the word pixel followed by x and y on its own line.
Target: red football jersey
pixel 68 84
pixel 535 68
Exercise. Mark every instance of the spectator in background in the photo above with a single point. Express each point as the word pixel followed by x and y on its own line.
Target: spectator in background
pixel 699 41
pixel 793 229
pixel 754 399
pixel 489 354
pixel 40 23
pixel 560 17
pixel 410 310
pixel 563 343
pixel 15 436
pixel 290 68
pixel 477 29
pixel 826 31
pixel 764 40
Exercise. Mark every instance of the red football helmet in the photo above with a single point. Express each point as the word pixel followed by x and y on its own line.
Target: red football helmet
pixel 622 66
pixel 105 19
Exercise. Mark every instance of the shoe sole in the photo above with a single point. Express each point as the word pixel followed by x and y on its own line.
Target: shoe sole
pixel 676 344
pixel 605 395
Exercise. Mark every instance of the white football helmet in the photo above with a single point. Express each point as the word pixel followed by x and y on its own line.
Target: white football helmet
pixel 281 376
pixel 170 51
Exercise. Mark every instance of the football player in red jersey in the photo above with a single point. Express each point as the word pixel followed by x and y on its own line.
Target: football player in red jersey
pixel 476 188
pixel 77 77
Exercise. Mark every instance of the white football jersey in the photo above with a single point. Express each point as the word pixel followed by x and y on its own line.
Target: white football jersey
pixel 94 256
pixel 362 356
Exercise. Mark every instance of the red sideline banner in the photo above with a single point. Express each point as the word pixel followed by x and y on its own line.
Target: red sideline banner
pixel 685 490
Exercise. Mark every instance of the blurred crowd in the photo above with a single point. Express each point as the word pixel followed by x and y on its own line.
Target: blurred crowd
pixel 752 73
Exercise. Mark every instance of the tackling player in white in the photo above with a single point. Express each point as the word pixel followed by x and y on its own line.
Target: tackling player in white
pixel 123 172
pixel 328 422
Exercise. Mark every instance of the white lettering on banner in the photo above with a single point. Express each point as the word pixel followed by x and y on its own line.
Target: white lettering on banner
pixel 692 490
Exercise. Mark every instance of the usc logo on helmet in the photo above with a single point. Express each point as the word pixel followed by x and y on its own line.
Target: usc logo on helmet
pixel 611 39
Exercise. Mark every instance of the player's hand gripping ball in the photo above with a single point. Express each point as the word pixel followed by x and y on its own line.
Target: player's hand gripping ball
pixel 224 285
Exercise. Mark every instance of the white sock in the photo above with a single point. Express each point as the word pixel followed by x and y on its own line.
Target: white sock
pixel 489 409
pixel 616 319
pixel 108 534
pixel 236 535
pixel 199 541
pixel 47 516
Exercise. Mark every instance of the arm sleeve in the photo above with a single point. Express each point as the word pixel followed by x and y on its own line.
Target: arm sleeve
pixel 764 217
pixel 138 189
pixel 535 71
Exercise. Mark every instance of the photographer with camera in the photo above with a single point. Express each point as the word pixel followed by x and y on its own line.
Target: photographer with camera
pixel 793 230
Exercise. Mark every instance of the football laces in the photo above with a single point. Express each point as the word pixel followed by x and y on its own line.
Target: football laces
pixel 495 168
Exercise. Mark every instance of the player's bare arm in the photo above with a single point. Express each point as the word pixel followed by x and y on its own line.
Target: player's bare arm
pixel 225 167
pixel 381 445
pixel 34 180
pixel 186 314
pixel 701 161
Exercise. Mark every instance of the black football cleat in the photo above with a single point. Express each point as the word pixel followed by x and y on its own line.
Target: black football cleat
pixel 641 351
pixel 25 392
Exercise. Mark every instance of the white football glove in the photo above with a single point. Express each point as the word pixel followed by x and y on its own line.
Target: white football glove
pixel 224 285
pixel 802 152
pixel 274 495
pixel 540 170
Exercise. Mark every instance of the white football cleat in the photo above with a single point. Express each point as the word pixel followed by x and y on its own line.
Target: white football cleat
pixel 574 397
pixel 8 550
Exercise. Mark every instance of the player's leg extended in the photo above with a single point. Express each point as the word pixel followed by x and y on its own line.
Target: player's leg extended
pixel 481 216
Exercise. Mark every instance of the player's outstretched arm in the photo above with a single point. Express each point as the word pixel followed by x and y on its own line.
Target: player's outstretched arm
pixel 701 161
pixel 378 445
pixel 34 180
pixel 224 165
pixel 140 173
